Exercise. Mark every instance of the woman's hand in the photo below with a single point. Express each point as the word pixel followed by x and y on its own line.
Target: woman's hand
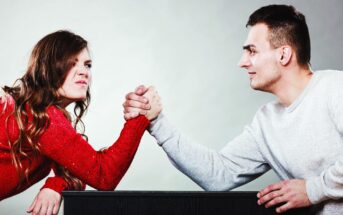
pixel 47 202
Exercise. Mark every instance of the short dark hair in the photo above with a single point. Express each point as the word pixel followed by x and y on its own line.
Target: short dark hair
pixel 286 26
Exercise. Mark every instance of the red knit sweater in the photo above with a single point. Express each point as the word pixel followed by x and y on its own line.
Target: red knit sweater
pixel 61 144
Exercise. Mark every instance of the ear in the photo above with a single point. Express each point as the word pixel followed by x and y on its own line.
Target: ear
pixel 286 53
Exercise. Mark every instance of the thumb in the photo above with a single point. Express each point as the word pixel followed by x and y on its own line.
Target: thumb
pixel 141 89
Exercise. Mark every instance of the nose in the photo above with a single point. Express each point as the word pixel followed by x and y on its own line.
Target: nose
pixel 244 62
pixel 83 70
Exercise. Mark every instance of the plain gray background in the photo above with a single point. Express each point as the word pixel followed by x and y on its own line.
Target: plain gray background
pixel 188 49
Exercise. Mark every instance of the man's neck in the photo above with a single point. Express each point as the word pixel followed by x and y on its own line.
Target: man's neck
pixel 292 84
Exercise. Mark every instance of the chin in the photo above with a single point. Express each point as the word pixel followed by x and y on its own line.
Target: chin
pixel 81 98
pixel 256 86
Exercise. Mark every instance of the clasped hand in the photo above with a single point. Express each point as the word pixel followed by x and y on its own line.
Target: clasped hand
pixel 144 101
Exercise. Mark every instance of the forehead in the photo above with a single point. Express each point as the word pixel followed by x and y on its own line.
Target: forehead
pixel 84 55
pixel 258 36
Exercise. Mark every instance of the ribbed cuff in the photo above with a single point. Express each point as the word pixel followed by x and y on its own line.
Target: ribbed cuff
pixel 141 121
pixel 160 129
pixel 315 190
pixel 57 184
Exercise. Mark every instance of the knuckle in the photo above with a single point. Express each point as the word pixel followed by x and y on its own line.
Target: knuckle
pixel 127 96
pixel 289 190
pixel 271 203
pixel 270 187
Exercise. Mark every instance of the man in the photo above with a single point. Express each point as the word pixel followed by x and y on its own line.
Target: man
pixel 299 136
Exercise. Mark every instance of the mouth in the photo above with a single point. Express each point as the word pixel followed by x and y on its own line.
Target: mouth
pixel 251 74
pixel 82 83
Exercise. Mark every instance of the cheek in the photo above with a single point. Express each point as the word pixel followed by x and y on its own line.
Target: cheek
pixel 253 60
pixel 90 79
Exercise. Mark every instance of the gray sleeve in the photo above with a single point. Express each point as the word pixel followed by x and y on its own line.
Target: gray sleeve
pixel 329 184
pixel 237 163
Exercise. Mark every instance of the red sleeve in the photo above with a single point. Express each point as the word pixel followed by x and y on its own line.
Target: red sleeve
pixel 56 183
pixel 102 170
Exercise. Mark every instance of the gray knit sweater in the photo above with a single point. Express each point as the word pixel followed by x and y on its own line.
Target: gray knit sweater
pixel 304 141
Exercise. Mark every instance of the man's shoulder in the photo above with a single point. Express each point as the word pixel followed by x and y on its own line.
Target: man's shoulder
pixel 329 79
pixel 329 75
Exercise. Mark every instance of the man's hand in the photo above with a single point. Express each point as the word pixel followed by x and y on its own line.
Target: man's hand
pixel 144 101
pixel 154 102
pixel 285 194
pixel 47 202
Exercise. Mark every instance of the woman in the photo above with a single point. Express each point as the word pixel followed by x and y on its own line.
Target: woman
pixel 36 134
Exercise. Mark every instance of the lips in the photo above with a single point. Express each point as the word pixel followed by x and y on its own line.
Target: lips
pixel 251 74
pixel 82 82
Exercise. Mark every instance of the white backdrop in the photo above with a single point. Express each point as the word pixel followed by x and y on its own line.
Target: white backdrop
pixel 188 49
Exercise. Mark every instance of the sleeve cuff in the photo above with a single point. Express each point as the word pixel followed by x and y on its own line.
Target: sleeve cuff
pixel 315 191
pixel 161 129
pixel 57 184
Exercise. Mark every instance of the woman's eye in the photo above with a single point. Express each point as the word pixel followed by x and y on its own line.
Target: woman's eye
pixel 88 65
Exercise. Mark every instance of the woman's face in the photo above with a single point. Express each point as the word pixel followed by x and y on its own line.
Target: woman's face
pixel 78 79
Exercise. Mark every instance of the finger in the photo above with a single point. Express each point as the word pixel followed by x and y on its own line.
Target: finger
pixel 284 208
pixel 140 90
pixel 129 116
pixel 36 209
pixel 49 211
pixel 133 96
pixel 135 110
pixel 270 188
pixel 29 210
pixel 152 88
pixel 269 197
pixel 56 209
pixel 275 201
pixel 43 210
pixel 136 104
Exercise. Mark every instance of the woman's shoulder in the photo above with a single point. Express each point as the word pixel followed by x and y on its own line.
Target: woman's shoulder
pixel 55 112
pixel 57 117
pixel 6 102
pixel 58 125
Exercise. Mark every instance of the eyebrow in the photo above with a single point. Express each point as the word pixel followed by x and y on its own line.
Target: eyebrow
pixel 86 61
pixel 248 47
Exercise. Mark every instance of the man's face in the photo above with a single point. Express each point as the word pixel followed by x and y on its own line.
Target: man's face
pixel 260 59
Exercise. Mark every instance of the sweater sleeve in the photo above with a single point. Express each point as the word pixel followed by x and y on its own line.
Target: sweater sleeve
pixel 55 183
pixel 58 183
pixel 237 163
pixel 100 169
pixel 329 184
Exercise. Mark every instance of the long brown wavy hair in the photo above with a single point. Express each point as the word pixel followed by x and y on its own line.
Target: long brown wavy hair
pixel 50 61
